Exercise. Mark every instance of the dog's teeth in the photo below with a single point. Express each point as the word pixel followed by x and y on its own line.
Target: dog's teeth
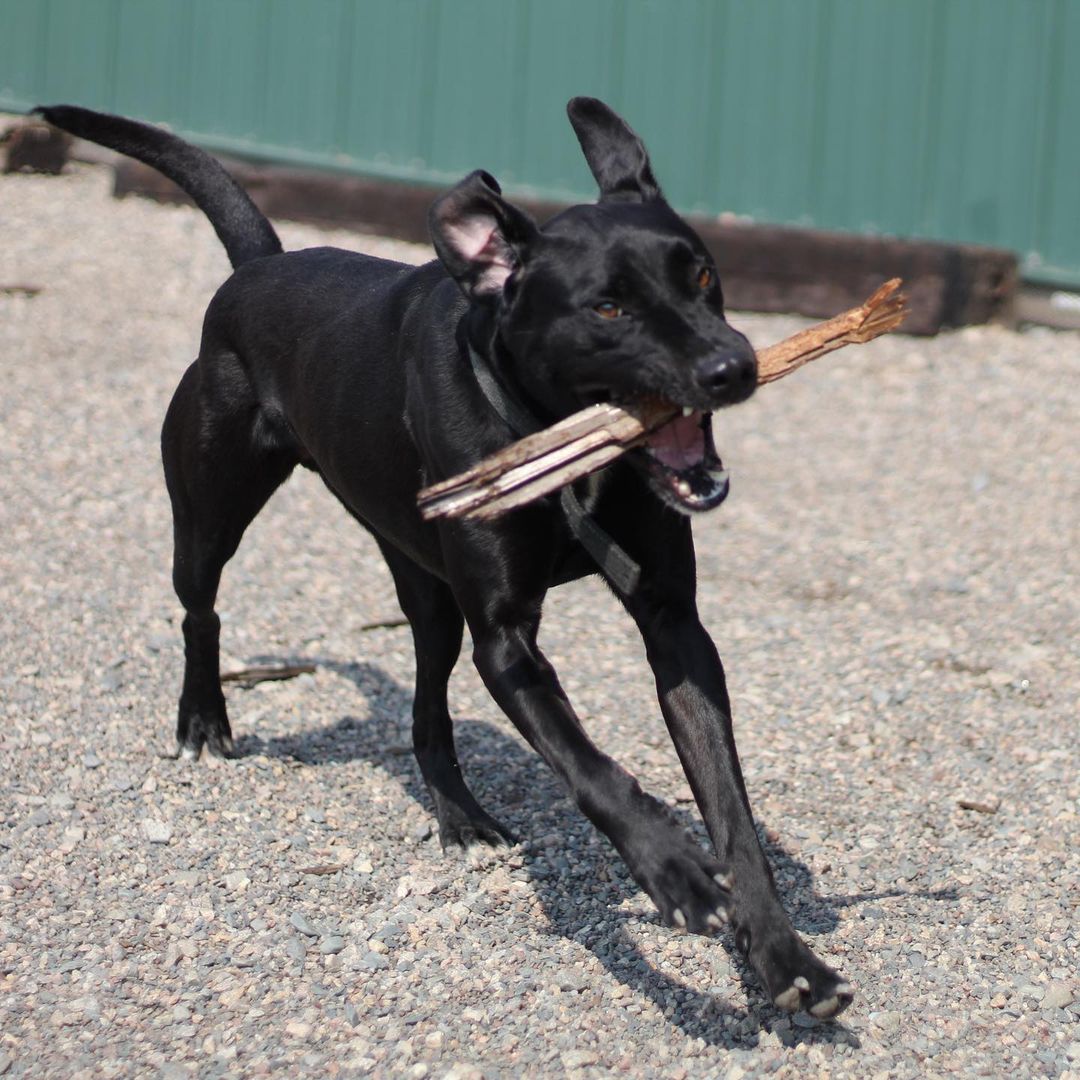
pixel 683 487
pixel 718 474
pixel 687 411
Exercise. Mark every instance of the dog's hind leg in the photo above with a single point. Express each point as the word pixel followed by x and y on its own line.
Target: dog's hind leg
pixel 437 624
pixel 220 468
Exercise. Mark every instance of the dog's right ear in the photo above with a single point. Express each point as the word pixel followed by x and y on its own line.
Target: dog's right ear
pixel 479 237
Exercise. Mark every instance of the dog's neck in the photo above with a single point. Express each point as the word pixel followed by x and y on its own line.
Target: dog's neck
pixel 517 416
pixel 622 570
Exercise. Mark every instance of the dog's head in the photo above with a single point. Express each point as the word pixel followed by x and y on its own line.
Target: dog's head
pixel 614 301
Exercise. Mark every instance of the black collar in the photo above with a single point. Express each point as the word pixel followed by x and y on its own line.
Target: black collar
pixel 616 565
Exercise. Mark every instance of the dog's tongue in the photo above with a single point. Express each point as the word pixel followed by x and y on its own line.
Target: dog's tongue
pixel 680 443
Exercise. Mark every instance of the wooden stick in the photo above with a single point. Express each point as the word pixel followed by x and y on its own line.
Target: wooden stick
pixel 537 464
pixel 542 463
pixel 884 311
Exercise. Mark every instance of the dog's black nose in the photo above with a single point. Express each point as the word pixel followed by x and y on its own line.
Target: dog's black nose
pixel 728 376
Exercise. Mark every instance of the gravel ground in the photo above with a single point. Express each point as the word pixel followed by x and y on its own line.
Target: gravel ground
pixel 893 585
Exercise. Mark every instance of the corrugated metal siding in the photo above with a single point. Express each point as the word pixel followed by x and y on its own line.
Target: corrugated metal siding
pixel 951 119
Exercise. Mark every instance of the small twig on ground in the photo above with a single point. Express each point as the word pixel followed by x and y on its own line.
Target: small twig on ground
pixel 384 624
pixel 246 678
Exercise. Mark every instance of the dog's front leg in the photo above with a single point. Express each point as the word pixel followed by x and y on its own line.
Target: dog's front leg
pixel 687 885
pixel 694 700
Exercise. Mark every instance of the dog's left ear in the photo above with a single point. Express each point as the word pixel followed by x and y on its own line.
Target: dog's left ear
pixel 479 237
pixel 616 156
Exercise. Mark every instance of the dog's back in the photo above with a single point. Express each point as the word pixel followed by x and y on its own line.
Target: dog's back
pixel 278 331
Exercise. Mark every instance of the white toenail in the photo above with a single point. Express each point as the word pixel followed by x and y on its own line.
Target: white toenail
pixel 713 920
pixel 802 983
pixel 679 919
pixel 723 880
pixel 845 989
pixel 788 1000
pixel 824 1008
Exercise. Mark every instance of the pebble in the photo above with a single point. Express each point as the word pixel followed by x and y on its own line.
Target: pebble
pixel 578 1059
pixel 463 1072
pixel 332 945
pixel 157 832
pixel 301 923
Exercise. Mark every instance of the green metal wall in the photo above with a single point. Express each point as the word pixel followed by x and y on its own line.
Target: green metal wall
pixel 951 119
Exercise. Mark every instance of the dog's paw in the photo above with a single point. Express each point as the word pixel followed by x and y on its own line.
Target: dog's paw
pixel 220 745
pixel 463 833
pixel 796 979
pixel 198 730
pixel 689 887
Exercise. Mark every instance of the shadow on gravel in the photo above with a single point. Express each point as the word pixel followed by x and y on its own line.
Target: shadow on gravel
pixel 580 898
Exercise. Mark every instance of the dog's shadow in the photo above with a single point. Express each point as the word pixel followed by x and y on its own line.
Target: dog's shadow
pixel 514 784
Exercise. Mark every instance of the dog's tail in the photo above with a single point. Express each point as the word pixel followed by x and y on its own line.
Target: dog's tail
pixel 240 225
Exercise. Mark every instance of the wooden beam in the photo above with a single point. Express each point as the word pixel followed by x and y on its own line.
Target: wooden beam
pixel 762 267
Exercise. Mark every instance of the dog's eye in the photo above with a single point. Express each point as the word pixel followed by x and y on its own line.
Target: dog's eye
pixel 608 310
pixel 704 278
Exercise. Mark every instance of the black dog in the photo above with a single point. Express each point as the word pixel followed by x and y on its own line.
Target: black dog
pixel 384 377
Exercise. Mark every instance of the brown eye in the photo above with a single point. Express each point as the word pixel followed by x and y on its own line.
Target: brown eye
pixel 608 310
pixel 704 278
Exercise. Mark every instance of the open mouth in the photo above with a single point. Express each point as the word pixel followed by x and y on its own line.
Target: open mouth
pixel 682 465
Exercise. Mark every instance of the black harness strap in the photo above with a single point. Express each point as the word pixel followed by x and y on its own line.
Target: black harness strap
pixel 605 552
